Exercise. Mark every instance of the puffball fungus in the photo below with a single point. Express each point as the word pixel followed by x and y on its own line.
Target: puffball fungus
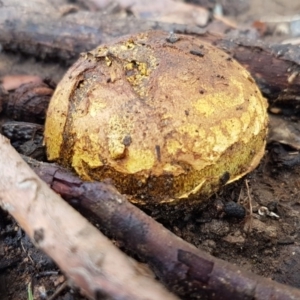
pixel 168 120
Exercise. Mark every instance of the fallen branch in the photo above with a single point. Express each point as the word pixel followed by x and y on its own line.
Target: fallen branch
pixel 186 270
pixel 86 256
pixel 24 29
pixel 27 31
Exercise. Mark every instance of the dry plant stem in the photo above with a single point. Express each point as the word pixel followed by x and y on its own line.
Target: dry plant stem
pixel 86 256
pixel 58 291
pixel 249 218
pixel 186 270
pixel 249 198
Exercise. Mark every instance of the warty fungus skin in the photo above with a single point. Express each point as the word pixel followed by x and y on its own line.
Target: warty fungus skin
pixel 167 121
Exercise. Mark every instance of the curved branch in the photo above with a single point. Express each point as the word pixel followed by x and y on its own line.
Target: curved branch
pixel 185 269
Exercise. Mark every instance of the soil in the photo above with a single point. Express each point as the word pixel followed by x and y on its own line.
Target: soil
pixel 234 227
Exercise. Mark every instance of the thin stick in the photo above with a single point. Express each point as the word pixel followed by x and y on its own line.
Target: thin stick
pixel 86 256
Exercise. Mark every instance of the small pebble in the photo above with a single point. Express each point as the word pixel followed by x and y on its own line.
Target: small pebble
pixel 234 210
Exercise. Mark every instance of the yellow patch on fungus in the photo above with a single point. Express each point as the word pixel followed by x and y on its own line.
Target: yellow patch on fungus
pixel 108 61
pixel 83 154
pixel 139 160
pixel 116 131
pixel 232 127
pixel 191 129
pixel 173 146
pixel 96 106
pixel 205 107
pixel 173 169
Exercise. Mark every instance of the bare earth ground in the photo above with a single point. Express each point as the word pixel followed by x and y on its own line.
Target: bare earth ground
pixel 265 245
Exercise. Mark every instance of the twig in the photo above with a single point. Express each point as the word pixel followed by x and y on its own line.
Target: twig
pixel 58 290
pixel 27 254
pixel 249 198
pixel 250 216
pixel 86 256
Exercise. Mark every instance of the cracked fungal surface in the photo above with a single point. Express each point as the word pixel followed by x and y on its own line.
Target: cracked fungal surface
pixel 164 120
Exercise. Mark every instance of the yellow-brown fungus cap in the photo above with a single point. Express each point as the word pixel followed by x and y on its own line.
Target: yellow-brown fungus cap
pixel 166 120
